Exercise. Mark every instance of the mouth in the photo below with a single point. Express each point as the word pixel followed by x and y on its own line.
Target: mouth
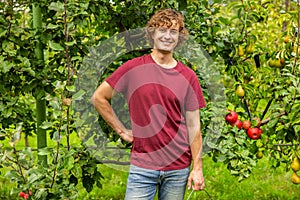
pixel 167 43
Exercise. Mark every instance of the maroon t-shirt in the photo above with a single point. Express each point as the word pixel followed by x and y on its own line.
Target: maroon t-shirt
pixel 157 100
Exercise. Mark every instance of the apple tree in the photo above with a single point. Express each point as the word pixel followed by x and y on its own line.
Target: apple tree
pixel 261 76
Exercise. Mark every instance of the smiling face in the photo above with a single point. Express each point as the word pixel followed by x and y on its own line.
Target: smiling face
pixel 166 38
pixel 165 30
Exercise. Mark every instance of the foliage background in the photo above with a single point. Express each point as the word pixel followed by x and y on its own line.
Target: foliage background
pixel 245 40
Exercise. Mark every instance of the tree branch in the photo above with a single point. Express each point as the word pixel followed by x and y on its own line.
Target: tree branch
pixel 113 162
pixel 263 122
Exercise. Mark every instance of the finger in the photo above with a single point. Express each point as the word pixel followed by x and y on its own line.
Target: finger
pixel 202 186
pixel 189 184
pixel 196 187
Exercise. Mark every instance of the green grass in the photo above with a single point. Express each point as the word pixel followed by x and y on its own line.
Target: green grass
pixel 264 183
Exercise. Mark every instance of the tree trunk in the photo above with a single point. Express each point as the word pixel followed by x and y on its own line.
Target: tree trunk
pixel 40 98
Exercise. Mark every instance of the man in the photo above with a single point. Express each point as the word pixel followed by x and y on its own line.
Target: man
pixel 164 97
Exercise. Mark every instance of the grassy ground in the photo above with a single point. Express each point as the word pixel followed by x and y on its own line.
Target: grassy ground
pixel 264 184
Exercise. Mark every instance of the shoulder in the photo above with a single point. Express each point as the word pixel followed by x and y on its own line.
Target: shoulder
pixel 139 60
pixel 130 64
pixel 186 71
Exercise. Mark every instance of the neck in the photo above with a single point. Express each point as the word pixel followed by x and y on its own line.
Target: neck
pixel 164 58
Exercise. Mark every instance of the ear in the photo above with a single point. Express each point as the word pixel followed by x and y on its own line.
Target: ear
pixel 151 31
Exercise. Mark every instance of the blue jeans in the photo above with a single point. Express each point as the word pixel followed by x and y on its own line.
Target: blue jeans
pixel 142 184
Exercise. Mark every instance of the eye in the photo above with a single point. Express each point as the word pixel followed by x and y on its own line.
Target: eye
pixel 162 30
pixel 174 32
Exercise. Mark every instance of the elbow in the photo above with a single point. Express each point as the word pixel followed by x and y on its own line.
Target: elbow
pixel 94 99
pixel 102 95
pixel 97 98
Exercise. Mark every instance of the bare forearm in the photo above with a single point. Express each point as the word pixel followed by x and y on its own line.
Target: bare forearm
pixel 101 99
pixel 106 111
pixel 195 137
pixel 196 149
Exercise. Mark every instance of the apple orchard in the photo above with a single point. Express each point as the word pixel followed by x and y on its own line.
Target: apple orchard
pixel 263 90
pixel 254 44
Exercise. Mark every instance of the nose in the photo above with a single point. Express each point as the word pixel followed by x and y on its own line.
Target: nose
pixel 167 35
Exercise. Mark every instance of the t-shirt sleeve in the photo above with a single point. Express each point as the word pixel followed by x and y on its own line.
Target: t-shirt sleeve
pixel 194 98
pixel 116 81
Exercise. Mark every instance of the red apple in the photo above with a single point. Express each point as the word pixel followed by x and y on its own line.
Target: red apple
pixel 254 133
pixel 231 117
pixel 22 194
pixel 246 124
pixel 26 196
pixel 238 123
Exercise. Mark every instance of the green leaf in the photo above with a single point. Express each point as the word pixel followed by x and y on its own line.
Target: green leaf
pixel 33 177
pixel 57 6
pixel 297 128
pixel 78 95
pixel 44 152
pixel 221 158
pixel 61 69
pixel 30 71
pixel 71 88
pixel 273 122
pixel 59 85
pixel 280 127
pixel 69 163
pixel 55 105
pixel 6 66
pixel 211 145
pixel 14 175
pixel 76 170
pixel 88 183
pixel 234 172
pixel 224 20
pixel 41 193
pixel 46 125
pixel 240 141
pixel 55 46
pixel 99 184
pixel 71 43
pixel 52 26
pixel 231 106
pixel 3 33
pixel 56 136
pixel 259 143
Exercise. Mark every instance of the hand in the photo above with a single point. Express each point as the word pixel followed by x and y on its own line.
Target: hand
pixel 126 135
pixel 196 180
